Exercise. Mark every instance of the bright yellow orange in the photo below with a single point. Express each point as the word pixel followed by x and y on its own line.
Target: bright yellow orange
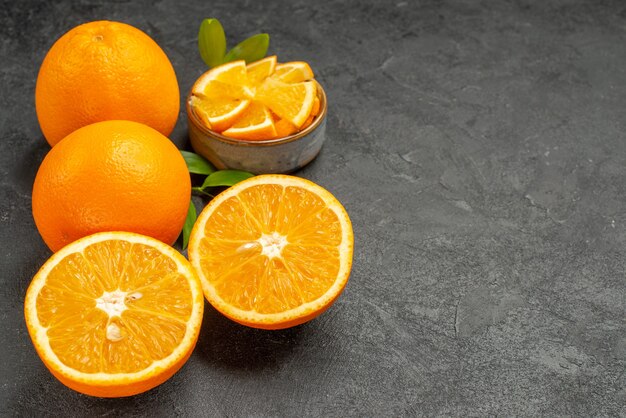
pixel 273 251
pixel 110 176
pixel 103 71
pixel 292 102
pixel 260 70
pixel 114 314
pixel 255 123
pixel 293 72
pixel 219 96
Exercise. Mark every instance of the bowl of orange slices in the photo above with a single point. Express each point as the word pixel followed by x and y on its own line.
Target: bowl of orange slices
pixel 263 117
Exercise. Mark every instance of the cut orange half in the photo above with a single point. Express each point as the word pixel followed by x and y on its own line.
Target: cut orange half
pixel 254 124
pixel 292 102
pixel 114 314
pixel 293 72
pixel 260 70
pixel 272 251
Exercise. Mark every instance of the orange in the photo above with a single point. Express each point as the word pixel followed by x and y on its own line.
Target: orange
pixel 255 123
pixel 114 314
pixel 293 72
pixel 292 102
pixel 284 128
pixel 260 70
pixel 113 175
pixel 272 251
pixel 316 107
pixel 221 98
pixel 102 71
pixel 308 122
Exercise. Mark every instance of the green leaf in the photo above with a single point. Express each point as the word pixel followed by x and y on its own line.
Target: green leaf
pixel 225 178
pixel 252 49
pixel 189 221
pixel 196 164
pixel 212 42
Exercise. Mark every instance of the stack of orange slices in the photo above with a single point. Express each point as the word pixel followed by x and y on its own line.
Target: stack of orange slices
pixel 262 100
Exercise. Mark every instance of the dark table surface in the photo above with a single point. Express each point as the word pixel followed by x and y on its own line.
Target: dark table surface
pixel 480 150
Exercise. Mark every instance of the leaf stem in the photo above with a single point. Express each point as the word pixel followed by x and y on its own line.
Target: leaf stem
pixel 201 191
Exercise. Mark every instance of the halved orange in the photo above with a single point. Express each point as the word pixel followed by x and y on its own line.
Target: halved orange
pixel 272 251
pixel 254 124
pixel 292 102
pixel 221 95
pixel 260 70
pixel 114 314
pixel 293 72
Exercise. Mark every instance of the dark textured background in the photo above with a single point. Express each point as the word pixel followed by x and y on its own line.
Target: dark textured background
pixel 479 148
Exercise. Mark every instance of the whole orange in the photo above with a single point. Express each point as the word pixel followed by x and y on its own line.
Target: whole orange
pixel 104 71
pixel 111 176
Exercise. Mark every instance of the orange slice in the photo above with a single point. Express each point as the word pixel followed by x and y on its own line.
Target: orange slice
pixel 221 95
pixel 114 313
pixel 316 107
pixel 216 89
pixel 255 123
pixel 293 72
pixel 292 102
pixel 308 122
pixel 260 70
pixel 284 128
pixel 219 114
pixel 230 73
pixel 272 251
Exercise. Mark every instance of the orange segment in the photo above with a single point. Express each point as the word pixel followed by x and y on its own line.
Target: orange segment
pixel 219 113
pixel 284 128
pixel 260 70
pixel 282 255
pixel 307 122
pixel 114 314
pixel 316 106
pixel 292 102
pixel 293 72
pixel 255 123
pixel 216 90
pixel 231 73
pixel 220 95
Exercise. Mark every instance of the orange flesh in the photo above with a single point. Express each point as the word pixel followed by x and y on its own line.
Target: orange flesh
pixel 157 299
pixel 298 222
pixel 294 72
pixel 216 107
pixel 255 114
pixel 259 70
pixel 286 100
